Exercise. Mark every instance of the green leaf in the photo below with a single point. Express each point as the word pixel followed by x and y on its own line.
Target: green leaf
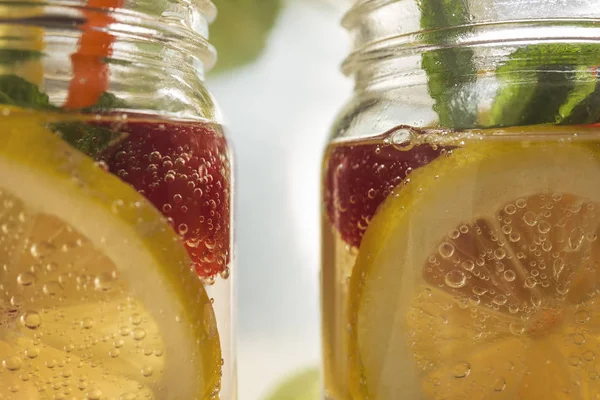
pixel 89 139
pixel 546 83
pixel 585 86
pixel 9 56
pixel 241 30
pixel 107 101
pixel 586 111
pixel 16 91
pixel 450 71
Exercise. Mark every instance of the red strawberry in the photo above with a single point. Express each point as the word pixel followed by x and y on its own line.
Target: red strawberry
pixel 184 170
pixel 358 177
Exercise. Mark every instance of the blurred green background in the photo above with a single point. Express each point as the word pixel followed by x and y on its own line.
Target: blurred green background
pixel 278 84
pixel 241 31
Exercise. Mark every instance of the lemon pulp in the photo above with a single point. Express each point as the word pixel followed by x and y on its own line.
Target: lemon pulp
pixel 479 279
pixel 97 297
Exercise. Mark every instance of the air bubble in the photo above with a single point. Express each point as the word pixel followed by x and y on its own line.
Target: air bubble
pixel 468 265
pixel 509 275
pixel 31 319
pixel 51 288
pixel 94 394
pixel 589 355
pixel 12 363
pixel 26 278
pixel 499 385
pixel 500 300
pixel 225 273
pixel 530 218
pixel 582 316
pixel 86 323
pixel 135 319
pixel 16 301
pixel 455 279
pixel 543 227
pixel 169 178
pixel 147 371
pixel 462 369
pixel 32 352
pixel 155 156
pixel 183 229
pixel 41 250
pixel 574 360
pixel 446 250
pixel 530 283
pixel 510 209
pixel 578 338
pixel 499 253
pixel 479 291
pixel 138 333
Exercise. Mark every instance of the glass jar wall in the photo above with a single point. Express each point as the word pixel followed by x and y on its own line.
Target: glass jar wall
pixel 115 204
pixel 459 203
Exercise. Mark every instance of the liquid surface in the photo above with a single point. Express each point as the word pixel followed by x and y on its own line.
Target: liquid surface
pixel 72 325
pixel 462 265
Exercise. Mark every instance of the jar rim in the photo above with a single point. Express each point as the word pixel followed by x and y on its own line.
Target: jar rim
pixel 185 33
pixel 484 34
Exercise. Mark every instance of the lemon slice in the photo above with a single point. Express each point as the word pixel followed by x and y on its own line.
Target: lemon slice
pixel 480 280
pixel 97 298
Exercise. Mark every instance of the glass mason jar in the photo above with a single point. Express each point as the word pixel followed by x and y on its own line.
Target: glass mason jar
pixel 115 204
pixel 460 203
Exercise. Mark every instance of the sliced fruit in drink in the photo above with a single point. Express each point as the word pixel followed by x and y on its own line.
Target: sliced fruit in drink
pixel 479 279
pixel 98 294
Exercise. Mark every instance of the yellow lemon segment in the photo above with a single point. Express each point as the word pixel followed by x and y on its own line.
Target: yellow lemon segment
pixel 480 279
pixel 97 298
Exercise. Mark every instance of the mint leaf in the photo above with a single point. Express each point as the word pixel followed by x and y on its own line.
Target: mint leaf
pixel 9 56
pixel 544 83
pixel 107 101
pixel 577 106
pixel 16 91
pixel 587 111
pixel 89 139
pixel 449 70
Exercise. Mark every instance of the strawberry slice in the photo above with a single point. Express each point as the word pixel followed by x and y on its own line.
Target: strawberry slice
pixel 184 170
pixel 358 177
